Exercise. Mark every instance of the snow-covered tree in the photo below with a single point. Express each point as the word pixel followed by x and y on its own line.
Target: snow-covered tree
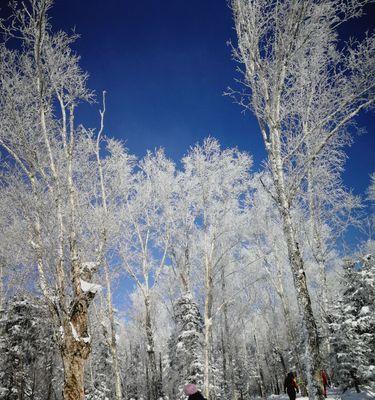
pixel 353 323
pixel 186 345
pixel 52 176
pixel 304 91
pixel 219 180
pixel 144 239
pixel 28 351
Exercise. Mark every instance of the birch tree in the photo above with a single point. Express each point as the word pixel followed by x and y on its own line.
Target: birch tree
pixel 220 178
pixel 303 91
pixel 268 243
pixel 50 172
pixel 144 242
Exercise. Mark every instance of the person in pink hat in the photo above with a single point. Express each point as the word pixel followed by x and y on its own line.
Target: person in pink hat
pixel 194 394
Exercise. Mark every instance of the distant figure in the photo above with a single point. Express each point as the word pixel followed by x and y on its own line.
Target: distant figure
pixel 290 386
pixel 194 394
pixel 325 382
pixel 354 381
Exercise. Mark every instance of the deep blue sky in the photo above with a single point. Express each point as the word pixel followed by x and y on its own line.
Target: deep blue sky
pixel 165 65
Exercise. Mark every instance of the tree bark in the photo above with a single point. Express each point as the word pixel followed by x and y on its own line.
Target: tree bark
pixel 76 348
pixel 154 384
pixel 261 384
pixel 227 350
pixel 292 337
pixel 208 328
pixel 73 376
pixel 112 340
pixel 298 270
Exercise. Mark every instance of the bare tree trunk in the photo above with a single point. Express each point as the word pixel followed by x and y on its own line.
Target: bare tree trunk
pixel 160 371
pixel 76 347
pixel 2 294
pixel 227 350
pixel 74 356
pixel 50 378
pixel 154 384
pixel 304 303
pixel 298 270
pixel 317 240
pixel 292 338
pixel 224 355
pixel 318 252
pixel 208 328
pixel 112 340
pixel 279 287
pixel 73 376
pixel 116 369
pixel 262 386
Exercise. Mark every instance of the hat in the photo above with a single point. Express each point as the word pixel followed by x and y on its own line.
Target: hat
pixel 190 389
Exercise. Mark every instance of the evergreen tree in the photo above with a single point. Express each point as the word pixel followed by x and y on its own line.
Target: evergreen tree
pixel 27 351
pixel 353 324
pixel 186 345
pixel 101 387
pixel 136 376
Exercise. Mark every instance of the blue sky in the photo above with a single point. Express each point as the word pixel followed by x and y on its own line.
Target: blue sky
pixel 165 65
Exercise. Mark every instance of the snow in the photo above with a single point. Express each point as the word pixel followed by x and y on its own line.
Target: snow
pixel 88 287
pixel 334 394
pixel 188 333
pixel 86 339
pixel 74 332
pixel 89 265
pixel 365 310
pixel 76 336
pixel 366 394
pixel 62 333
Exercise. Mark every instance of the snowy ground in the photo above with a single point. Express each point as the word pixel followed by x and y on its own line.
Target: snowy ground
pixel 333 394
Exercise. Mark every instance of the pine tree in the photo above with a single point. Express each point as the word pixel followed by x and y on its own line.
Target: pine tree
pixel 186 345
pixel 136 374
pixel 27 350
pixel 353 324
pixel 101 387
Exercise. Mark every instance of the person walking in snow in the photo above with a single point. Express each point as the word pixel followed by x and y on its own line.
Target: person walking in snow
pixel 194 394
pixel 325 382
pixel 290 386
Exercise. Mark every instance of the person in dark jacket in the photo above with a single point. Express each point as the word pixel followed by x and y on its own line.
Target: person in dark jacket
pixel 325 382
pixel 290 386
pixel 194 394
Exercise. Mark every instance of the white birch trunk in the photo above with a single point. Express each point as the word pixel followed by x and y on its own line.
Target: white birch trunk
pixel 112 340
pixel 154 379
pixel 298 270
pixel 208 328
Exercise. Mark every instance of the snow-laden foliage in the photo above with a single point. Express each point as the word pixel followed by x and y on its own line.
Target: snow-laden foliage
pixel 125 278
pixel 186 346
pixel 28 360
pixel 353 323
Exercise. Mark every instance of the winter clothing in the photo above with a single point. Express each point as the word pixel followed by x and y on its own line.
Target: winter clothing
pixel 325 382
pixel 196 396
pixel 290 386
pixel 190 389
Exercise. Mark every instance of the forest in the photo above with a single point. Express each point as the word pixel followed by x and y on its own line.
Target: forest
pixel 125 277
